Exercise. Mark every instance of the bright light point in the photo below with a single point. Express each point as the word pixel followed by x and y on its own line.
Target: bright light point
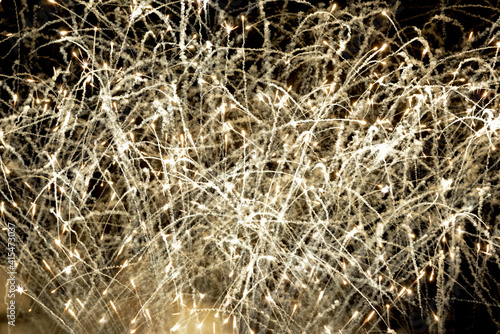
pixel 370 316
pixel 70 311
pixel 270 299
pixel 228 27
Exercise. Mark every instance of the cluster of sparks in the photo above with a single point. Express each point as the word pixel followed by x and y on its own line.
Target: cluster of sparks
pixel 171 176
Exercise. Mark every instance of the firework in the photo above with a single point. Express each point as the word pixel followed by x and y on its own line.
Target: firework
pixel 202 167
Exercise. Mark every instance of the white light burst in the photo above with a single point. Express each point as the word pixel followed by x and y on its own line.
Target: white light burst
pixel 172 167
